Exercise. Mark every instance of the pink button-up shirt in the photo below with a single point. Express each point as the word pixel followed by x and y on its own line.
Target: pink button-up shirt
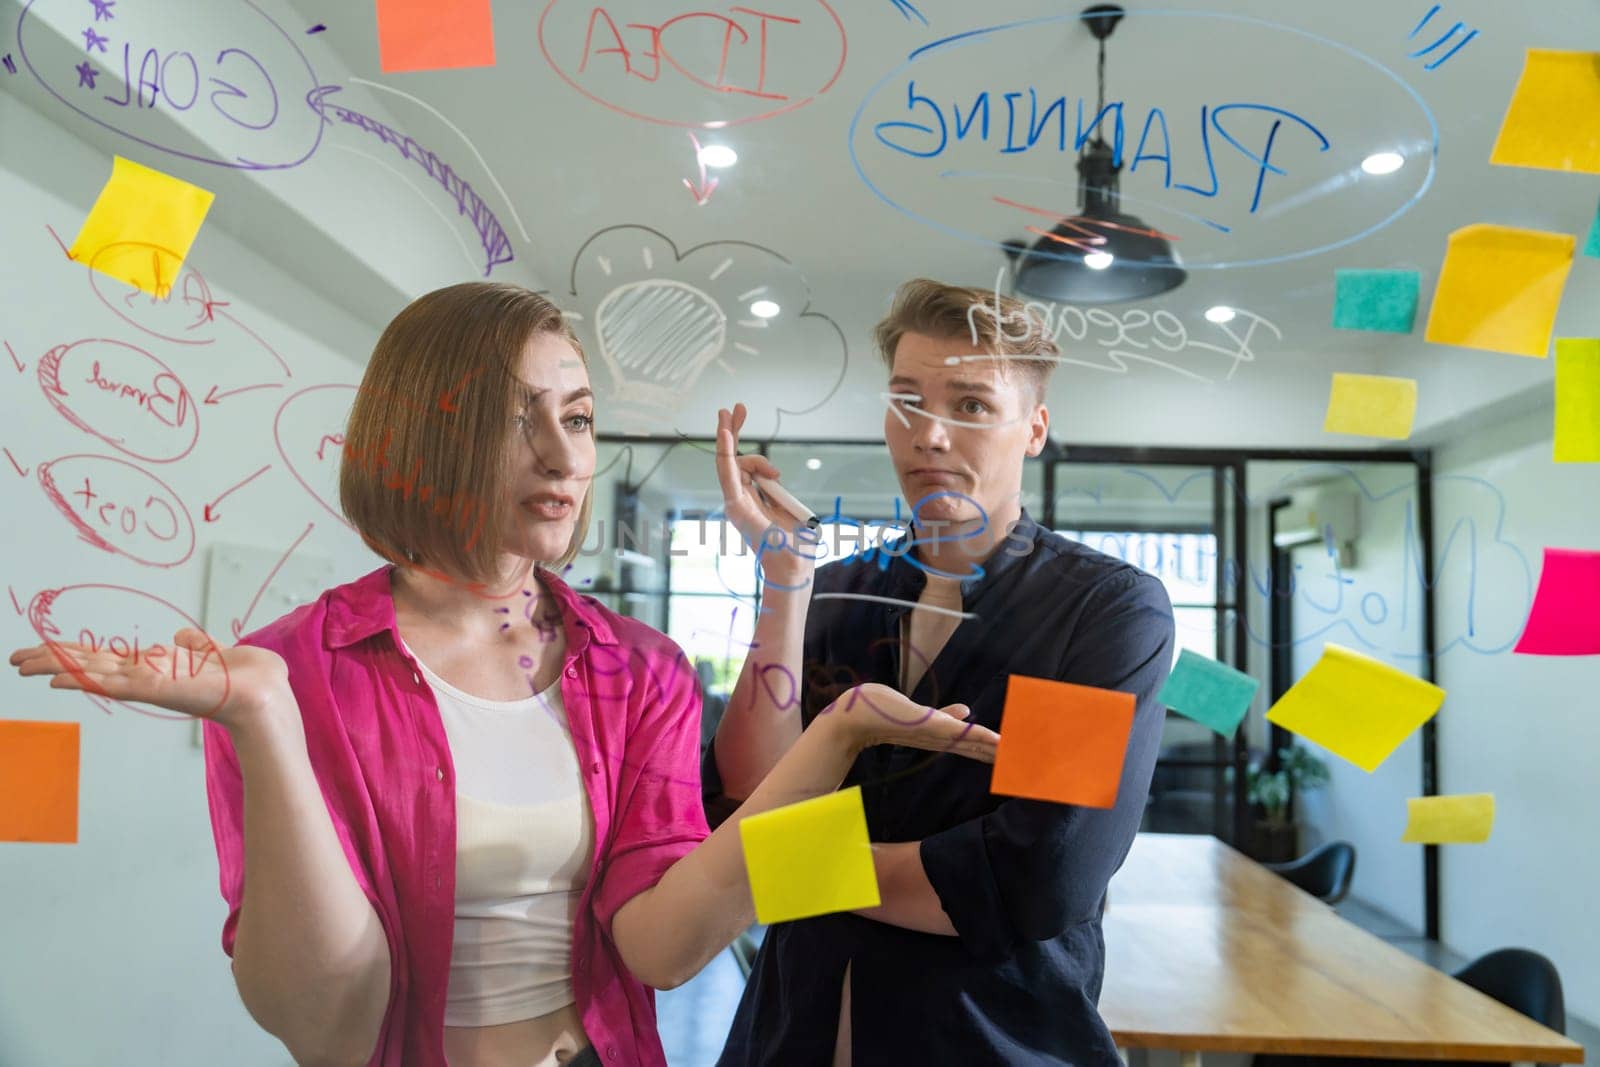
pixel 380 754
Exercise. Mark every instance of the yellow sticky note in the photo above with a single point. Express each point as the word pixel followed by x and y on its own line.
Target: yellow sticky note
pixel 1371 405
pixel 1355 706
pixel 810 858
pixel 141 227
pixel 1577 429
pixel 1550 122
pixel 1499 289
pixel 1457 820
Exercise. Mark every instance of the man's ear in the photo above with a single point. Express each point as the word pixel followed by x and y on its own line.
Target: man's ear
pixel 1038 429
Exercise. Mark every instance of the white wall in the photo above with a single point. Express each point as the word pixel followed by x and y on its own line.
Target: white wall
pixel 1522 727
pixel 112 947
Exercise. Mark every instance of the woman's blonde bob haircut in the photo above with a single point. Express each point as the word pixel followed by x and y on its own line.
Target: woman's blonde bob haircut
pixel 428 449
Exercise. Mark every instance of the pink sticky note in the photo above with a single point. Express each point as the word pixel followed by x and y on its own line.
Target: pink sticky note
pixel 1565 618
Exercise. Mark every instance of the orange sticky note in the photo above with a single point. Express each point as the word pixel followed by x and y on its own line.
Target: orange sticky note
pixel 434 34
pixel 1499 289
pixel 39 781
pixel 1062 742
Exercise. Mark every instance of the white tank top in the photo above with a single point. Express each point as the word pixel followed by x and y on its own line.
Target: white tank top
pixel 524 837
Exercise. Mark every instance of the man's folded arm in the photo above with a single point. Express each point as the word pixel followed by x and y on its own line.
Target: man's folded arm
pixel 1030 869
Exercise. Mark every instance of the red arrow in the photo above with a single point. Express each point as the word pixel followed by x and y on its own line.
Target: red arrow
pixel 214 397
pixel 64 249
pixel 447 401
pixel 20 469
pixel 14 603
pixel 213 518
pixel 20 366
pixel 703 190
pixel 237 625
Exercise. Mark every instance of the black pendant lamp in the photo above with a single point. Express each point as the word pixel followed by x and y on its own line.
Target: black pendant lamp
pixel 1100 256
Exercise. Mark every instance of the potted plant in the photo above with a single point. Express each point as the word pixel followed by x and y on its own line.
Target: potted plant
pixel 1272 793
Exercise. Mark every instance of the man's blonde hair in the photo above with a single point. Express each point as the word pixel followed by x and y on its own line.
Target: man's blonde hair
pixel 935 309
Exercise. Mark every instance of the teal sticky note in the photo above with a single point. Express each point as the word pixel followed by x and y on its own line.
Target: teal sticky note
pixel 1383 300
pixel 1591 247
pixel 1211 693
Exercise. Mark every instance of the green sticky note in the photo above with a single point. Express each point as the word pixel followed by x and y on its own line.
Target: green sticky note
pixel 810 858
pixel 1211 693
pixel 1591 247
pixel 1383 300
pixel 1577 430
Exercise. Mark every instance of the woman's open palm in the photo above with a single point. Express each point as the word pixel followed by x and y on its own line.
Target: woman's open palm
pixel 195 676
pixel 878 714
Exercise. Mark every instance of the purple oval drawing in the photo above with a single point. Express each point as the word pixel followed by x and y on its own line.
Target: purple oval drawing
pixel 1236 152
pixel 120 393
pixel 233 82
pixel 120 508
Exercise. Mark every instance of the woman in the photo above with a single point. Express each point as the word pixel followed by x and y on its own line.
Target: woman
pixel 462 801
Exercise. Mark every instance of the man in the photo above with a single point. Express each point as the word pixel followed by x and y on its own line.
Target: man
pixel 987 946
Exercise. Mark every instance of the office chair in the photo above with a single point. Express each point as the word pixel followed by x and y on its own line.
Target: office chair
pixel 1323 872
pixel 1518 978
pixel 1521 980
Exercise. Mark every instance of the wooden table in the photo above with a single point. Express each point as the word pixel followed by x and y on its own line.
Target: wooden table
pixel 1208 951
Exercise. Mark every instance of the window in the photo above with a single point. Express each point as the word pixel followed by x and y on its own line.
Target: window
pixel 711 599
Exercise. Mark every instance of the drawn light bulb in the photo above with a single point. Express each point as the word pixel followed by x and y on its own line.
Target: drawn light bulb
pixel 661 319
pixel 656 336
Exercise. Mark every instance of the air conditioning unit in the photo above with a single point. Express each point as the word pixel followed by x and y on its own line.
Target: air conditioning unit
pixel 1320 515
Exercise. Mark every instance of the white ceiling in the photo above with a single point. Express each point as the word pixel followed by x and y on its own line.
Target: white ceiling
pixel 820 215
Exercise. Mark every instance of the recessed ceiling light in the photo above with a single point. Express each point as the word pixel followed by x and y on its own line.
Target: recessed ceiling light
pixel 813 464
pixel 718 155
pixel 765 309
pixel 1098 260
pixel 1219 314
pixel 1383 163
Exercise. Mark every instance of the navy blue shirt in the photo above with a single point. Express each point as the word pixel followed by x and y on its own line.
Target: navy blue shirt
pixel 1021 880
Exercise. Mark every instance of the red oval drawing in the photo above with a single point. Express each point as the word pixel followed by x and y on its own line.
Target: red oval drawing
pixel 626 56
pixel 83 621
pixel 185 315
pixel 316 442
pixel 135 514
pixel 98 382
